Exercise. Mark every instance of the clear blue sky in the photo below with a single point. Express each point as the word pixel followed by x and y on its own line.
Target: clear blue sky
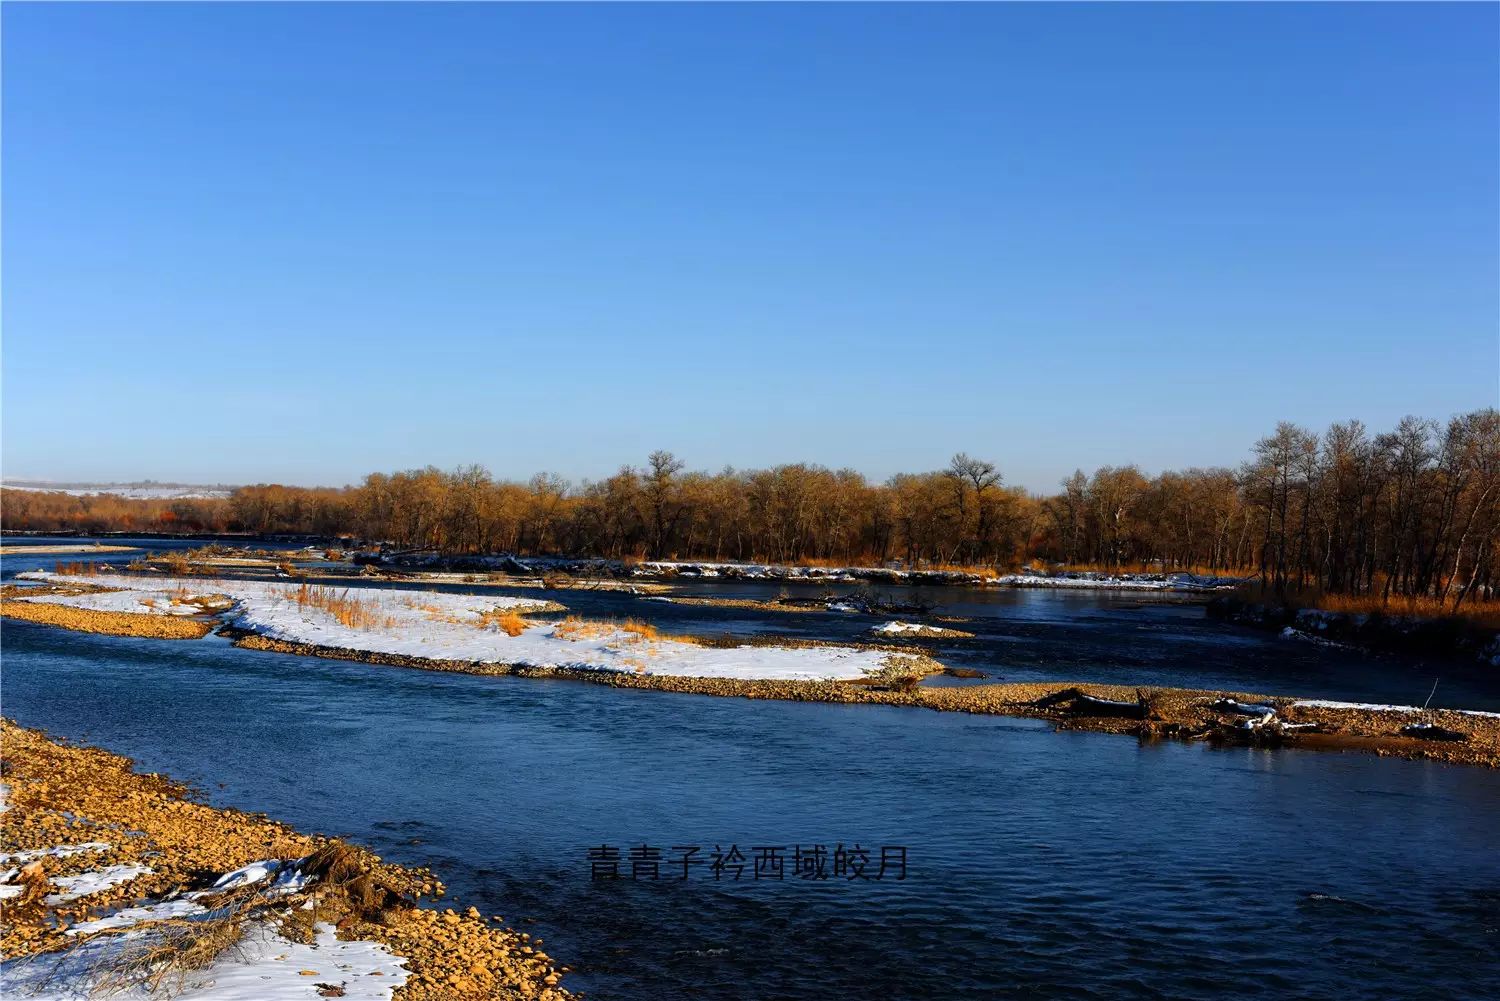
pixel 299 243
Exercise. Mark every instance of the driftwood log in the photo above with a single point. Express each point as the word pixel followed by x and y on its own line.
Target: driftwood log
pixel 1431 731
pixel 1080 703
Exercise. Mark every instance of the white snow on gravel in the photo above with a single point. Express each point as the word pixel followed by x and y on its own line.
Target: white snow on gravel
pixel 1117 582
pixel 1065 579
pixel 59 851
pixel 86 883
pixel 1378 708
pixel 438 626
pixel 125 601
pixel 899 628
pixel 125 917
pixel 262 966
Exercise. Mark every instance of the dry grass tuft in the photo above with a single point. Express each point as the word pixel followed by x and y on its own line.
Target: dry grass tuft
pixel 350 611
pixel 631 630
pixel 175 950
pixel 334 863
pixel 507 620
pixel 644 630
pixel 348 875
pixel 574 628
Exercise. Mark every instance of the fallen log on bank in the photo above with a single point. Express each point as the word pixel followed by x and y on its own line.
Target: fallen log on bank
pixel 1080 703
pixel 1431 731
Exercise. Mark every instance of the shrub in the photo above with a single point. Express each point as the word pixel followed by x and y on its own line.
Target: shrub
pixel 507 620
pixel 350 612
pixel 644 630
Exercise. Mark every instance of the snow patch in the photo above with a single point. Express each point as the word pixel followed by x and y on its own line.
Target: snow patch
pixel 288 877
pixel 425 624
pixel 1238 708
pixel 1378 708
pixel 1118 582
pixel 262 966
pixel 181 907
pixel 899 628
pixel 86 883
pixel 57 851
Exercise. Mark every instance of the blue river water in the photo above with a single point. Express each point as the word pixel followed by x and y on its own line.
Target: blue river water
pixel 1038 864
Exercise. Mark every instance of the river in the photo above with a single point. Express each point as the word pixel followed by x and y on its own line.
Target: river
pixel 1038 864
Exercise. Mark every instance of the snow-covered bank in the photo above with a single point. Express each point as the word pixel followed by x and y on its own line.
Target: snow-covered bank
pixel 534 565
pixel 423 624
pixel 263 965
pixel 1370 707
pixel 143 600
pixel 1085 580
pixel 1120 582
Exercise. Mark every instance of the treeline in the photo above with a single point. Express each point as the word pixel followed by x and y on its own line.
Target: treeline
pixel 1415 511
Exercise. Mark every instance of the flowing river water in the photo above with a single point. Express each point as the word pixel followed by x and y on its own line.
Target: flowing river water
pixel 1038 864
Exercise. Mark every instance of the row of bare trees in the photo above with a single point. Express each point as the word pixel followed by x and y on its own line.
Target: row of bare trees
pixel 1415 511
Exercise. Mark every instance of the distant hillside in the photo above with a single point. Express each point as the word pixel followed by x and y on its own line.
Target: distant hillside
pixel 143 490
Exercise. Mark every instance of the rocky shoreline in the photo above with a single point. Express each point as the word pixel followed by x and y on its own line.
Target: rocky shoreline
pixel 176 893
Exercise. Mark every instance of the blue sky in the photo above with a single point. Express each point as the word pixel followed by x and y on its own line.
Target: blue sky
pixel 299 243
